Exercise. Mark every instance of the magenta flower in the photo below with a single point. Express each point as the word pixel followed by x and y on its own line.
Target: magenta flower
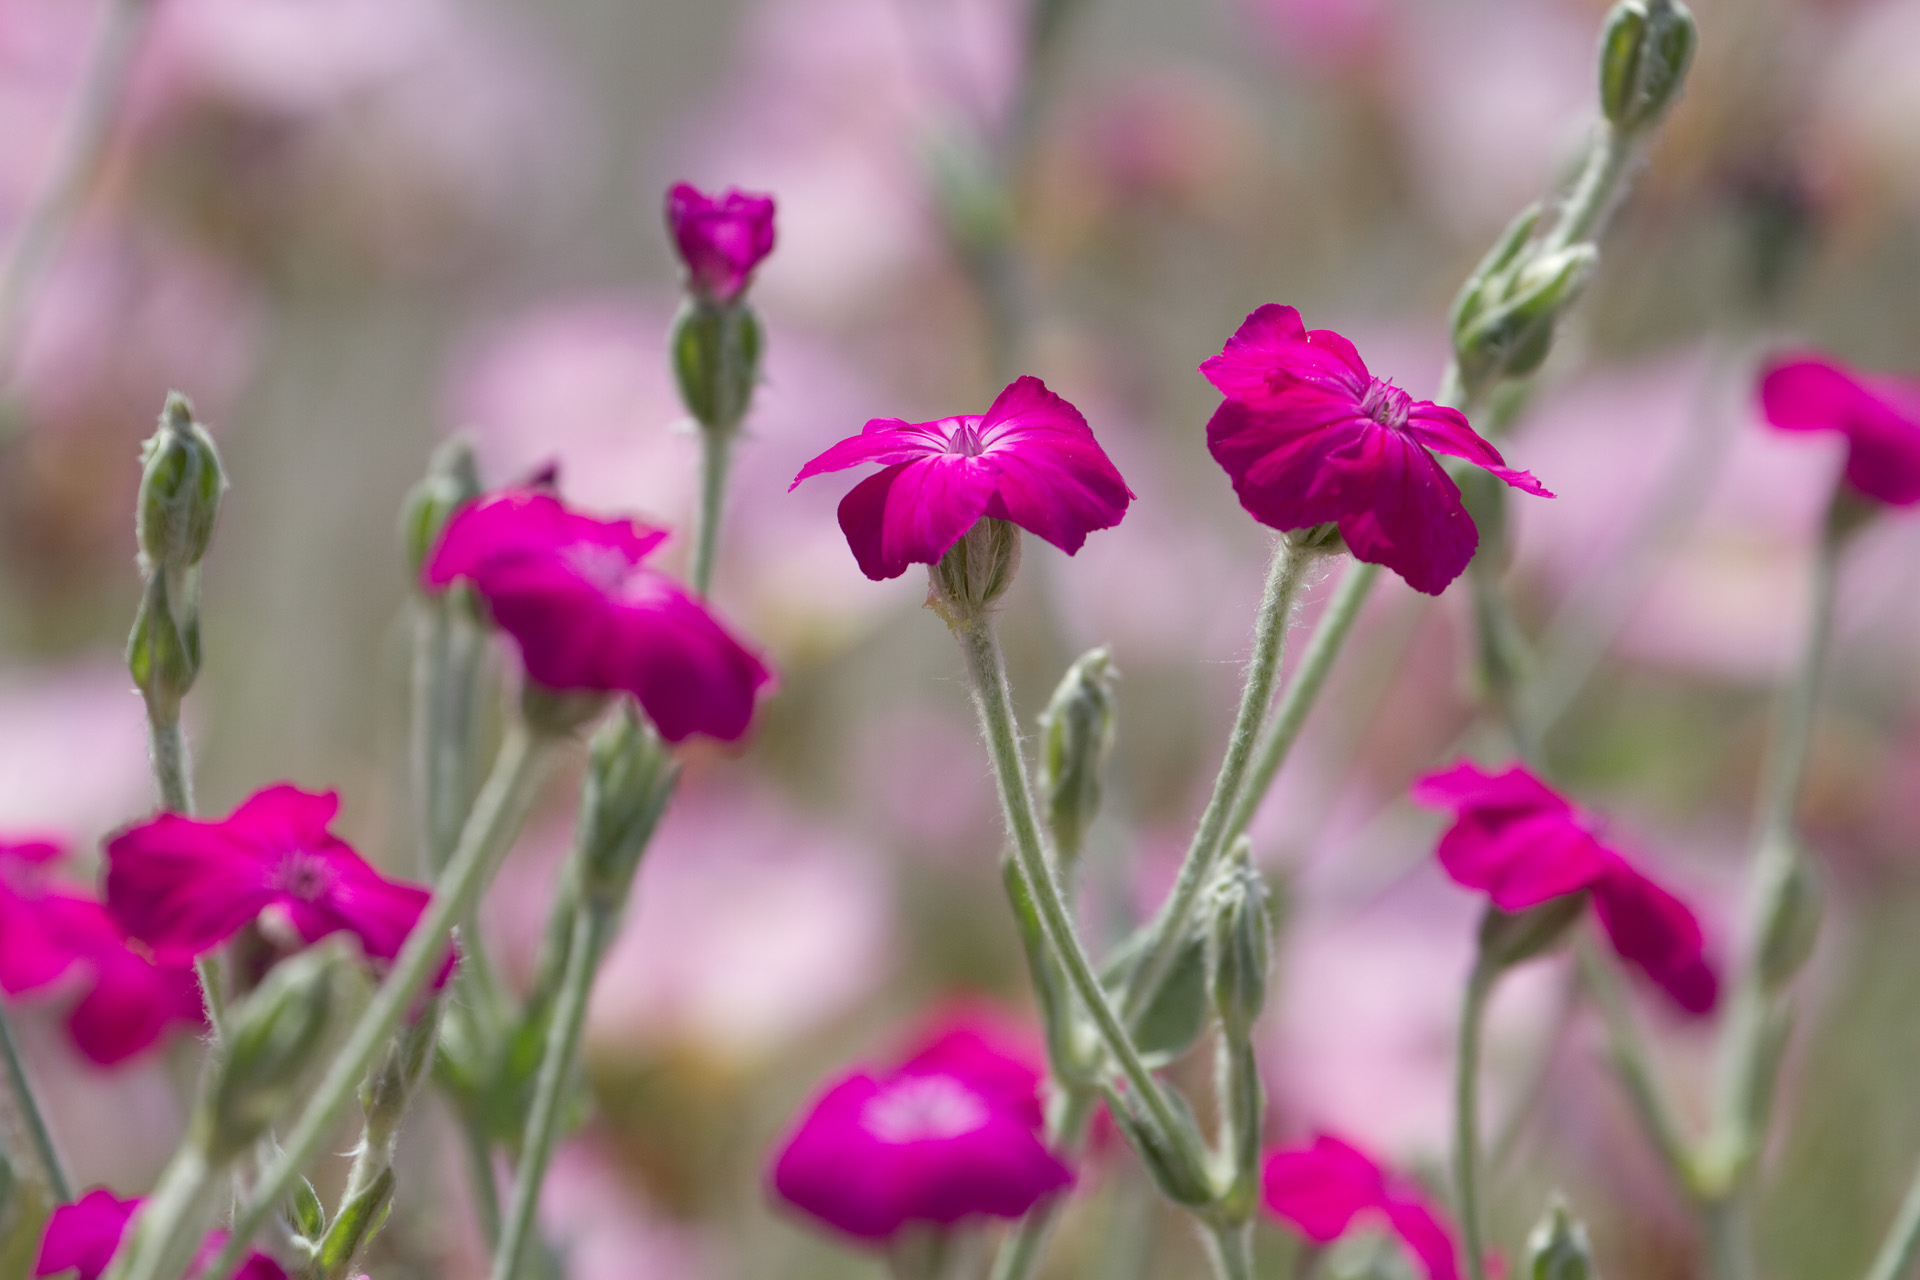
pixel 588 614
pixel 720 241
pixel 1521 843
pixel 1309 437
pixel 47 932
pixel 1878 414
pixel 82 1237
pixel 185 885
pixel 951 1133
pixel 1323 1188
pixel 1030 458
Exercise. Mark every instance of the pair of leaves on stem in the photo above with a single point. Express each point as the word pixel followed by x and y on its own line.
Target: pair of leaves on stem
pixel 331 1249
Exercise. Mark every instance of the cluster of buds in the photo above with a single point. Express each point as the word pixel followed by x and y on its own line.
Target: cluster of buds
pixel 180 487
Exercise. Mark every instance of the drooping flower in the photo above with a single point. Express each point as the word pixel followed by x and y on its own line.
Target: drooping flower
pixel 47 931
pixel 1030 458
pixel 721 240
pixel 1309 437
pixel 1321 1189
pixel 183 886
pixel 1879 415
pixel 588 613
pixel 1521 843
pixel 951 1133
pixel 83 1237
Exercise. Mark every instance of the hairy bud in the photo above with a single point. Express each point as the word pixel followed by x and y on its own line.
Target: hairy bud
pixel 1239 941
pixel 180 487
pixel 716 360
pixel 272 1047
pixel 452 481
pixel 630 778
pixel 1557 1247
pixel 1644 55
pixel 975 572
pixel 1076 737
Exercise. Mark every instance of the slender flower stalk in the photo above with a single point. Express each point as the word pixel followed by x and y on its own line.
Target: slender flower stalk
pixel 1627 1045
pixel 1230 1245
pixel 1901 1248
pixel 496 818
pixel 716 456
pixel 1466 1115
pixel 28 1106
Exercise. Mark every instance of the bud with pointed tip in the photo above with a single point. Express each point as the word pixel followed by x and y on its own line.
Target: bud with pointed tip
pixel 180 486
pixel 1513 329
pixel 1645 51
pixel 271 1049
pixel 1076 738
pixel 1557 1247
pixel 1239 941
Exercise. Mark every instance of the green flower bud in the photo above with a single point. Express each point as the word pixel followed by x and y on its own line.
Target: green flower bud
pixel 1076 737
pixel 452 481
pixel 1644 54
pixel 272 1047
pixel 630 779
pixel 1557 1247
pixel 163 651
pixel 180 486
pixel 390 1086
pixel 1792 925
pixel 1511 938
pixel 716 360
pixel 1513 328
pixel 975 572
pixel 1239 941
pixel 1495 270
pixel 1175 1161
pixel 559 713
pixel 360 1217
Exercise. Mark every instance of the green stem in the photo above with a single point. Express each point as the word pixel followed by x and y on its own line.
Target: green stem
pixel 497 815
pixel 995 705
pixel 591 927
pixel 1168 932
pixel 486 1195
pixel 1902 1245
pixel 716 455
pixel 1230 1248
pixel 1633 1064
pixel 1593 196
pixel 1066 1128
pixel 1466 1118
pixel 168 1228
pixel 30 1114
pixel 1297 699
pixel 173 779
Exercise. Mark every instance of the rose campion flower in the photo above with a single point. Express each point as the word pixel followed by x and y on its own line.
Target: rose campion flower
pixel 1521 843
pixel 47 932
pixel 721 240
pixel 952 1132
pixel 1030 458
pixel 1321 1189
pixel 1877 413
pixel 185 885
pixel 1309 437
pixel 589 614
pixel 83 1237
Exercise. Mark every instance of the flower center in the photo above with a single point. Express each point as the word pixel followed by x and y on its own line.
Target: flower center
pixel 303 874
pixel 923 1108
pixel 1386 404
pixel 965 439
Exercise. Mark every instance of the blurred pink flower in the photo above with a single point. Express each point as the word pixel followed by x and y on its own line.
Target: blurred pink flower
pixel 605 1228
pixel 1322 1188
pixel 53 715
pixel 1523 844
pixel 1310 436
pixel 951 1133
pixel 1031 459
pixel 573 593
pixel 185 885
pixel 84 1236
pixel 1878 414
pixel 721 241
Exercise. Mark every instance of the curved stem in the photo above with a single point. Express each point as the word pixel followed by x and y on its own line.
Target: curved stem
pixel 1168 931
pixel 30 1114
pixel 1901 1248
pixel 496 817
pixel 1466 1118
pixel 1593 197
pixel 716 455
pixel 591 927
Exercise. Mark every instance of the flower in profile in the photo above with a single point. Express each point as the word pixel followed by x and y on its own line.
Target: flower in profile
pixel 82 1237
pixel 721 240
pixel 589 614
pixel 1522 844
pixel 1321 1189
pixel 183 886
pixel 47 932
pixel 1310 437
pixel 951 1133
pixel 1878 414
pixel 1030 458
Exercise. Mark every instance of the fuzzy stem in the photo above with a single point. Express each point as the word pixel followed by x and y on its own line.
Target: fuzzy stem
pixel 1168 932
pixel 486 1195
pixel 716 456
pixel 173 779
pixel 1594 195
pixel 28 1105
pixel 1466 1117
pixel 162 1236
pixel 497 815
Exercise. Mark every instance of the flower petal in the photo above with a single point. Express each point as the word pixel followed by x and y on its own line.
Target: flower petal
pixel 1320 1189
pixel 83 1236
pixel 1445 430
pixel 913 512
pixel 1272 349
pixel 1654 930
pixel 1400 509
pixel 882 440
pixel 1053 478
pixel 1287 472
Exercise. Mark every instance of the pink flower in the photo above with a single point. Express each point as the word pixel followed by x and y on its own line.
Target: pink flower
pixel 589 615
pixel 185 885
pixel 1030 459
pixel 952 1132
pixel 1324 1187
pixel 83 1237
pixel 1878 414
pixel 1309 436
pixel 720 241
pixel 46 933
pixel 1522 844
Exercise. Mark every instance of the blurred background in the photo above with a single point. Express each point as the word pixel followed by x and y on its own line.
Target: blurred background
pixel 348 228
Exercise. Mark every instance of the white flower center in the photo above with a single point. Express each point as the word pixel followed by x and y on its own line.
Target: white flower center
pixel 923 1108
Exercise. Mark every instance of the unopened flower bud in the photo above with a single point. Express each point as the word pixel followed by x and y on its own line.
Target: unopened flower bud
pixel 1239 941
pixel 180 486
pixel 163 650
pixel 630 779
pixel 452 481
pixel 721 240
pixel 1490 279
pixel 1514 331
pixel 1076 737
pixel 975 571
pixel 1557 1247
pixel 1792 924
pixel 558 713
pixel 390 1086
pixel 1174 1160
pixel 716 360
pixel 1644 54
pixel 1511 938
pixel 360 1217
pixel 272 1044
